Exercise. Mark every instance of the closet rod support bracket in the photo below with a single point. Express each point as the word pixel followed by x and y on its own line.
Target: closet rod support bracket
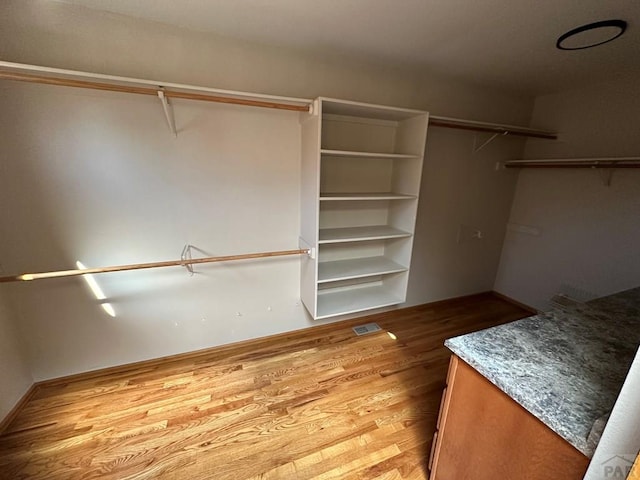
pixel 310 251
pixel 606 174
pixel 168 112
pixel 185 256
pixel 314 107
pixel 476 148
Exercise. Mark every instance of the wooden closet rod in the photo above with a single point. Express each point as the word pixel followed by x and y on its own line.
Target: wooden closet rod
pixel 139 266
pixel 67 82
pixel 603 162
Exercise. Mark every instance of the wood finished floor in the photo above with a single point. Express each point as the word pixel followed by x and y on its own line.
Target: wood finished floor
pixel 316 404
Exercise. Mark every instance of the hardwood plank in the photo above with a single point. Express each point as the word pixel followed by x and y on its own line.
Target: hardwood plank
pixel 19 407
pixel 312 404
pixel 532 310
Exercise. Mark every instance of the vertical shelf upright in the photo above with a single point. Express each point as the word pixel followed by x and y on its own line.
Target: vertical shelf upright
pixel 361 169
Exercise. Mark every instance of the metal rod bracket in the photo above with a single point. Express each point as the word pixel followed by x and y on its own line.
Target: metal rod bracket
pixel 477 148
pixel 185 256
pixel 606 174
pixel 314 107
pixel 168 112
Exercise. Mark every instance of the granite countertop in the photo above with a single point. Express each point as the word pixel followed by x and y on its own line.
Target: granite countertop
pixel 565 366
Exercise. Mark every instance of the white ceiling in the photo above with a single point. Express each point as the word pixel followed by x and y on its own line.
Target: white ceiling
pixel 504 43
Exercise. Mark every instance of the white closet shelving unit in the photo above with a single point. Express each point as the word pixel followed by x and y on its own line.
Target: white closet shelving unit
pixel 361 169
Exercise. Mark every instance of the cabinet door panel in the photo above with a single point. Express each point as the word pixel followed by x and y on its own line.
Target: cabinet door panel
pixel 486 435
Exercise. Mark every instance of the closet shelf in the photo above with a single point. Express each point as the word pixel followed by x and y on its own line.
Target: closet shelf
pixel 360 234
pixel 361 168
pixel 357 268
pixel 353 154
pixel 342 302
pixel 74 78
pixel 496 128
pixel 365 196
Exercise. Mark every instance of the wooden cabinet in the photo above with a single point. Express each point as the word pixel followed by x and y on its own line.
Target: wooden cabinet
pixel 361 169
pixel 634 474
pixel 483 434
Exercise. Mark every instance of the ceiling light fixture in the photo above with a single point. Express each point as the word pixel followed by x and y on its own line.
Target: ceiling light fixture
pixel 591 35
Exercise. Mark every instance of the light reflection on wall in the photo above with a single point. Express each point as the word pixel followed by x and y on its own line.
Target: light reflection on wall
pixel 97 291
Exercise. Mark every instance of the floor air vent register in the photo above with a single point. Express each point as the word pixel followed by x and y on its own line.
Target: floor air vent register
pixel 366 328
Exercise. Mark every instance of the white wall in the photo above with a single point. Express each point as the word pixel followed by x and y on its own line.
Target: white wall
pixel 97 177
pixel 621 437
pixel 15 376
pixel 588 231
pixel 44 32
pixel 461 192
